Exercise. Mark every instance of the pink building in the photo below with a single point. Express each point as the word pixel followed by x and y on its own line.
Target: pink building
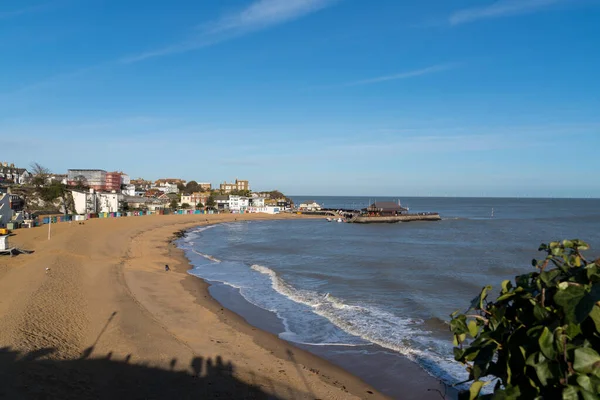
pixel 113 181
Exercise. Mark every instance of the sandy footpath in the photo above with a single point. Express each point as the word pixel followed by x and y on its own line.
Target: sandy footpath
pixel 107 321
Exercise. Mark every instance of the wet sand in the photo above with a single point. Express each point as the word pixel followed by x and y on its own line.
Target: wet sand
pixel 107 320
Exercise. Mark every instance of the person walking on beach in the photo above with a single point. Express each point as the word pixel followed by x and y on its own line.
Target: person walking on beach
pixel 167 268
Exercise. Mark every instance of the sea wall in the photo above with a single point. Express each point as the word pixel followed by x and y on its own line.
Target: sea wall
pixel 398 218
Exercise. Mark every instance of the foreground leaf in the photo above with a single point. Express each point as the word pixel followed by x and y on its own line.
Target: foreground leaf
pixel 587 361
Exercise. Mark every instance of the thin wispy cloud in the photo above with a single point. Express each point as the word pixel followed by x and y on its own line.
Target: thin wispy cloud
pixel 502 8
pixel 26 10
pixel 49 82
pixel 403 75
pixel 260 15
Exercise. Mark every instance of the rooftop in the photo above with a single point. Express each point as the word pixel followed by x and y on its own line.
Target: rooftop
pixel 385 206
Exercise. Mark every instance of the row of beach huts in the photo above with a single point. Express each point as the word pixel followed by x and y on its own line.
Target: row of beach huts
pixel 54 219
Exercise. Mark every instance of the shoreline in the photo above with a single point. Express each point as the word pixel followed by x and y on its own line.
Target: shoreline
pixel 329 373
pixel 107 297
pixel 418 383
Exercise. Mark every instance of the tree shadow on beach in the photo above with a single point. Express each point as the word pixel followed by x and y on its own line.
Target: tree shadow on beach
pixel 35 375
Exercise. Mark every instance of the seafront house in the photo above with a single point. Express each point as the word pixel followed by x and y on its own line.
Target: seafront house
pixel 6 213
pixel 259 205
pixel 309 205
pixel 153 193
pixel 284 204
pixel 143 203
pixel 168 185
pixel 239 185
pixel 84 201
pixel 110 202
pixel 166 198
pixel 265 210
pixel 92 178
pixel 128 190
pixel 257 202
pixel 238 204
pixel 207 187
pixel 90 201
pixel 194 198
pixel 222 202
pixel 11 174
pixel 140 184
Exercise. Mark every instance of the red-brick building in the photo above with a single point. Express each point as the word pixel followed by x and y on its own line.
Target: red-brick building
pixel 113 181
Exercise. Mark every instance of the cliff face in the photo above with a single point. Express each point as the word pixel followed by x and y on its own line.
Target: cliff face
pixel 45 198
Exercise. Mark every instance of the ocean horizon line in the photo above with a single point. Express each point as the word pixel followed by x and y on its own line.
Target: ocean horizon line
pixel 374 197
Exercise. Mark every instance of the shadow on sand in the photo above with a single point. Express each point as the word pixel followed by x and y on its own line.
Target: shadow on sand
pixel 34 375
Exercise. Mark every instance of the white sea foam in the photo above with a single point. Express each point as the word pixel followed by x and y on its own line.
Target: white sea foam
pixel 203 228
pixel 403 335
pixel 207 256
pixel 357 324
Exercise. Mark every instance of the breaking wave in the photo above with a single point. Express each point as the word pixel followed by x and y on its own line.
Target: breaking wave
pixel 404 335
pixel 207 256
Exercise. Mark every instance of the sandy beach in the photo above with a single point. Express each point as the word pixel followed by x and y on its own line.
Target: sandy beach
pixel 106 320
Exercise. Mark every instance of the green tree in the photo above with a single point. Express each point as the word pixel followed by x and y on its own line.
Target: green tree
pixel 199 205
pixel 56 191
pixel 174 204
pixel 210 203
pixel 540 339
pixel 191 187
pixel 185 206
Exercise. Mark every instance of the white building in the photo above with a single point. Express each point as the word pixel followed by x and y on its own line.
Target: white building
pixel 257 202
pixel 265 209
pixel 166 187
pixel 222 202
pixel 109 202
pixel 125 179
pixel 57 178
pixel 11 173
pixel 128 190
pixel 238 203
pixel 4 242
pixel 92 202
pixel 309 205
pixel 93 178
pixel 85 202
pixel 5 212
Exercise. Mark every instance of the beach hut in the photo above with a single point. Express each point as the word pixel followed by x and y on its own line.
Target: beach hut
pixel 4 242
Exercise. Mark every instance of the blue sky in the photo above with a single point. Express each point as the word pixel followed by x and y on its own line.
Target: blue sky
pixel 330 97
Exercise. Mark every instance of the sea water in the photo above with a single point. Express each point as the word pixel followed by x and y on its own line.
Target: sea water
pixel 387 285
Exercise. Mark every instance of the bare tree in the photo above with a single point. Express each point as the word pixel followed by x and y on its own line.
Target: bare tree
pixel 37 169
pixel 40 174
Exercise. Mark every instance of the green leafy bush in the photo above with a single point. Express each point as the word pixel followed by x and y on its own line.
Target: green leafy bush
pixel 540 339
